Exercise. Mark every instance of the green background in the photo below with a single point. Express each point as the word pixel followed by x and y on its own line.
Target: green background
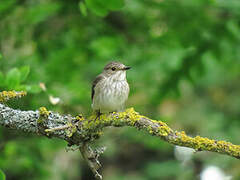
pixel 185 58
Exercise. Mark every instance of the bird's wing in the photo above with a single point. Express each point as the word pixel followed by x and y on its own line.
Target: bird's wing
pixel 98 78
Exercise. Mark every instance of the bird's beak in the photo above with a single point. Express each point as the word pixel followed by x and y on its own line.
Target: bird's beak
pixel 126 68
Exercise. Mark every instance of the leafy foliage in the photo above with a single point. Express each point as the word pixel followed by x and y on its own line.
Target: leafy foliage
pixel 186 69
pixel 15 78
pixel 103 7
pixel 2 175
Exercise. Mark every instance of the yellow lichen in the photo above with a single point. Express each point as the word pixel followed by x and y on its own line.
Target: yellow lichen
pixel 163 131
pixel 70 130
pixel 90 124
pixel 229 147
pixel 132 115
pixel 79 117
pixel 149 129
pixel 103 118
pixel 202 143
pixel 6 95
pixel 44 113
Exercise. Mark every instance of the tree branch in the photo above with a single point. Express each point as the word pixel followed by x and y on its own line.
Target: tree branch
pixel 79 131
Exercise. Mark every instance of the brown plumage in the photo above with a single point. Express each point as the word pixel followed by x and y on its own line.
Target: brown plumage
pixel 98 78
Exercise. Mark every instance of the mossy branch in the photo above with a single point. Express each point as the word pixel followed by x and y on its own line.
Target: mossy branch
pixel 7 95
pixel 79 130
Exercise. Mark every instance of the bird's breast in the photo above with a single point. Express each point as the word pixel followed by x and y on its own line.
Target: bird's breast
pixel 110 95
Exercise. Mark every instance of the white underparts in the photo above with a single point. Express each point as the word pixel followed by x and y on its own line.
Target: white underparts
pixel 111 93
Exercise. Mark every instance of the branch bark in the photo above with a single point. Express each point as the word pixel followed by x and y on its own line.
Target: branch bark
pixel 80 131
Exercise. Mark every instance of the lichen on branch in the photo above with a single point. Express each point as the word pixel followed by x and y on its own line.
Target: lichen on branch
pixel 7 95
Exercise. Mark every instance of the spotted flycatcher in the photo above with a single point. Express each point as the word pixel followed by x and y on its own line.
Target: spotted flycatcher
pixel 110 89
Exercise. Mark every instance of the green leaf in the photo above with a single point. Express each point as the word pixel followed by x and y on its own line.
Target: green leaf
pixel 0 56
pixel 24 72
pixel 21 88
pixel 40 12
pixel 33 89
pixel 83 8
pixel 2 175
pixel 97 7
pixel 113 4
pixel 13 78
pixel 5 5
pixel 233 27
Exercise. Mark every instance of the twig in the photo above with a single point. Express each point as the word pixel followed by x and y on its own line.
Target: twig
pixel 91 157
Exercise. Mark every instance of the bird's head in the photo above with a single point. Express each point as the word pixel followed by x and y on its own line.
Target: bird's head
pixel 116 70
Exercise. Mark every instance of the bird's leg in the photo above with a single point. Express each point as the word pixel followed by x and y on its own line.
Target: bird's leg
pixel 98 114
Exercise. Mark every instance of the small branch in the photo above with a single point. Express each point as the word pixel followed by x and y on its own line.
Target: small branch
pixel 91 157
pixel 162 130
pixel 79 131
pixel 57 128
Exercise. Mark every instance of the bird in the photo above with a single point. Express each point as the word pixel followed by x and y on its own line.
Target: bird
pixel 110 89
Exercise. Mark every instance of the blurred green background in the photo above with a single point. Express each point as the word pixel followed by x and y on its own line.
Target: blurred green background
pixel 185 58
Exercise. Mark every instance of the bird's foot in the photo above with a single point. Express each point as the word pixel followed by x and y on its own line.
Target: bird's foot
pixel 98 114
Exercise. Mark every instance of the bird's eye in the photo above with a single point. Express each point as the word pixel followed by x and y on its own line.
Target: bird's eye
pixel 113 69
